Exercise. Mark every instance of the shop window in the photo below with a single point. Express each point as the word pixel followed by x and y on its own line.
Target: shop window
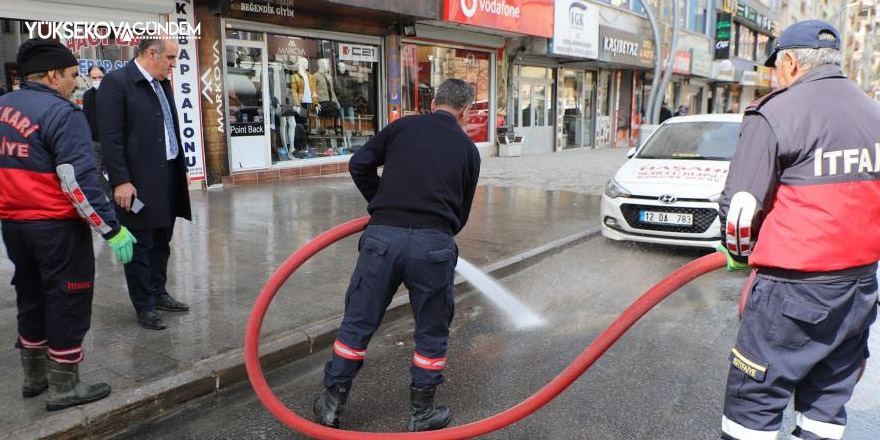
pixel 426 67
pixel 108 53
pixel 323 96
pixel 745 42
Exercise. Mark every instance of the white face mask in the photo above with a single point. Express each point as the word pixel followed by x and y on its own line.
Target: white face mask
pixel 95 84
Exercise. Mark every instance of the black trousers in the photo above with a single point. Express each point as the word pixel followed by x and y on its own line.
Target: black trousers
pixel 54 283
pixel 424 261
pixel 147 272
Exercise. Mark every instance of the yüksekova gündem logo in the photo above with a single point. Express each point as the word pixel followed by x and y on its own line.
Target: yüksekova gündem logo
pixel 102 30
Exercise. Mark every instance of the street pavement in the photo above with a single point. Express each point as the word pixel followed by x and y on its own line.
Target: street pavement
pixel 220 261
pixel 663 380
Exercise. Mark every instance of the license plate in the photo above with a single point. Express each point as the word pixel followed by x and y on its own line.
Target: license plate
pixel 666 218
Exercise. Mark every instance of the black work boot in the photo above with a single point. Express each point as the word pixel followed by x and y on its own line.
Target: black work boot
pixel 423 415
pixel 65 389
pixel 34 363
pixel 329 405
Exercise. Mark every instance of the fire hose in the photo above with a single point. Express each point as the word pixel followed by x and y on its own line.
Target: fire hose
pixel 584 361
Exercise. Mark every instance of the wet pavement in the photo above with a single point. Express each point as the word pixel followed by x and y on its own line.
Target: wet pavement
pixel 663 380
pixel 220 261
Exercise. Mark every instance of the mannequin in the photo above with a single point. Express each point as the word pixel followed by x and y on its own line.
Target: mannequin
pixel 303 94
pixel 328 107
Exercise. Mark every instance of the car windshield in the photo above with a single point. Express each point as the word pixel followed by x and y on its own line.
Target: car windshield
pixel 693 140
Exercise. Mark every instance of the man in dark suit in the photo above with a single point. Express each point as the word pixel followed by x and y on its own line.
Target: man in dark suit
pixel 140 137
pixel 90 108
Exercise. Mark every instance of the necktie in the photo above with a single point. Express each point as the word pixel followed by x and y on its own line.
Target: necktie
pixel 169 121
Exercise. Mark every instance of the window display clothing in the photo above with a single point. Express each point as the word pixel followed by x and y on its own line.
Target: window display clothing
pixel 304 91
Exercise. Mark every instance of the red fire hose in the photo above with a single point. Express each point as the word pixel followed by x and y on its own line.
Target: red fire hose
pixel 571 373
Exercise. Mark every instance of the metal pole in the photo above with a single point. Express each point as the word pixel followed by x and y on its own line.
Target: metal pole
pixel 670 62
pixel 658 68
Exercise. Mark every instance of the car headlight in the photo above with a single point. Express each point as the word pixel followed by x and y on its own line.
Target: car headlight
pixel 715 197
pixel 614 190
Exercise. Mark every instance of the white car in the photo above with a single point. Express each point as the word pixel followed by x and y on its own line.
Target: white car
pixel 667 192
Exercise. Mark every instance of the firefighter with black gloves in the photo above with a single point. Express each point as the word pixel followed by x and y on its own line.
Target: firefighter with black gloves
pixel 806 180
pixel 48 186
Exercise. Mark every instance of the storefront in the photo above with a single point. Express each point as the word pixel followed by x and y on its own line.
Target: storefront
pixel 101 46
pixel 689 89
pixel 20 20
pixel 526 84
pixel 620 89
pixel 743 36
pixel 576 37
pixel 296 90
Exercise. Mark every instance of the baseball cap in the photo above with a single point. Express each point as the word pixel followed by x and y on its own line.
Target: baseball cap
pixel 804 35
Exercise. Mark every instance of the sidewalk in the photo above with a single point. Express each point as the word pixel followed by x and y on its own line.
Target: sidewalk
pixel 221 260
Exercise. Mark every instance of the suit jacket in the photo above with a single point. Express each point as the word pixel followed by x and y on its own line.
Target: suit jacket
pixel 90 108
pixel 132 133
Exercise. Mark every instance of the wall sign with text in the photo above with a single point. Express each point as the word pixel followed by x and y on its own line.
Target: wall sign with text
pixel 529 17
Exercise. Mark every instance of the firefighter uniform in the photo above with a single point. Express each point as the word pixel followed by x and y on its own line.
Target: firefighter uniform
pixel 806 177
pixel 422 200
pixel 48 186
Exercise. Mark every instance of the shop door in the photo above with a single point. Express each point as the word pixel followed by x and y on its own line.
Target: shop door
pixel 577 110
pixel 246 75
pixel 535 111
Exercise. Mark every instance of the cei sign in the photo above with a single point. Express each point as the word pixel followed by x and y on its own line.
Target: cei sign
pixel 529 17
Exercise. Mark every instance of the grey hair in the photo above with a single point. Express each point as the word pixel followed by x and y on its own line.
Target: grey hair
pixel 455 93
pixel 809 58
pixel 149 43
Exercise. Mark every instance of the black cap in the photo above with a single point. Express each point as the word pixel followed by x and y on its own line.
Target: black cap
pixel 36 55
pixel 804 35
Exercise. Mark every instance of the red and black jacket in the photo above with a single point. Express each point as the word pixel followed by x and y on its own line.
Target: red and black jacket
pixel 47 165
pixel 810 157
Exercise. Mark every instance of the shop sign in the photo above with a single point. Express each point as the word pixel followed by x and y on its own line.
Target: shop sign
pixel 284 48
pixel 358 52
pixel 530 17
pixel 185 83
pixel 749 78
pixel 701 65
pixel 763 77
pixel 576 29
pixel 646 55
pixel 722 36
pixel 750 15
pixel 238 129
pixel 621 47
pixel 682 63
pixel 729 6
pixel 276 8
pixel 723 70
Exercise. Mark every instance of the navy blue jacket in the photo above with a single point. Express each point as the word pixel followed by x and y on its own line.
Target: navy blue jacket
pixel 40 130
pixel 430 176
pixel 133 141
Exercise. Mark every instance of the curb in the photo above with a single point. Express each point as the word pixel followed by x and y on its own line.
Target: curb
pixel 120 410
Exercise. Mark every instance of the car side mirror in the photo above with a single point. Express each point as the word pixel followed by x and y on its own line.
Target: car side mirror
pixel 631 153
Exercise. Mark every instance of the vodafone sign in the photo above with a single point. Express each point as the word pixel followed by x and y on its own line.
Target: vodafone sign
pixel 530 17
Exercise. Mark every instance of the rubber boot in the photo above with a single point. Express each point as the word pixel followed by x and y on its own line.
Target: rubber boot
pixel 423 415
pixel 329 405
pixel 34 363
pixel 65 389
